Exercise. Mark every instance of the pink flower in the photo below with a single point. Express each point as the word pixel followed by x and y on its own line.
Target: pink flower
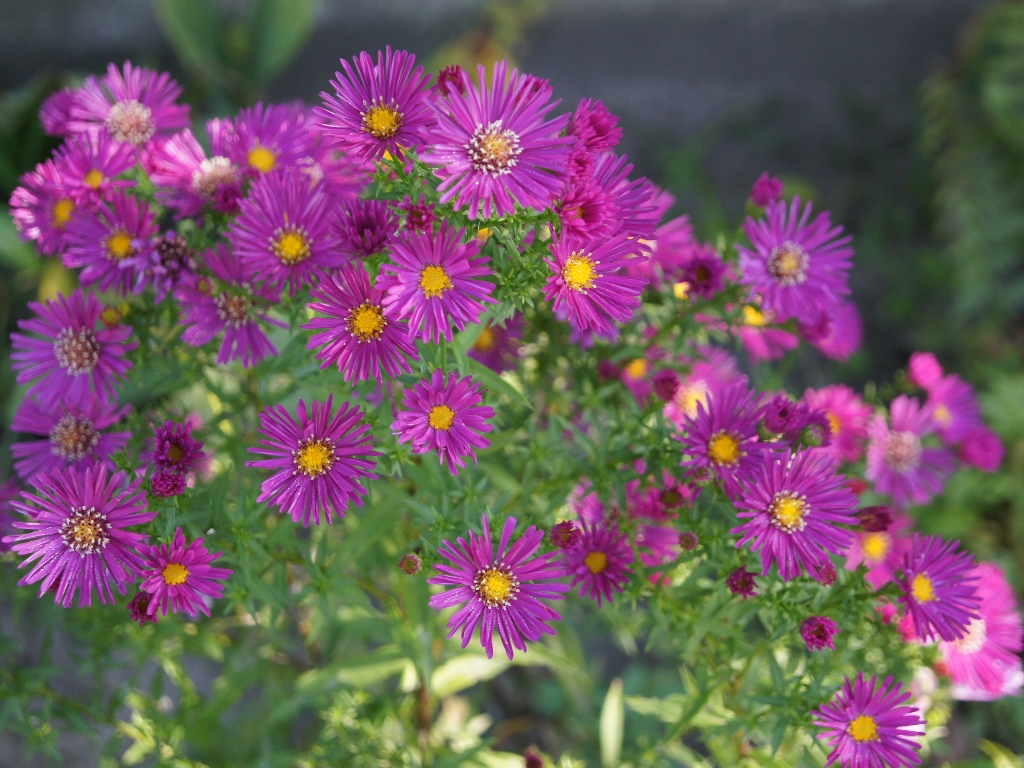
pixel 924 370
pixel 766 190
pixel 982 448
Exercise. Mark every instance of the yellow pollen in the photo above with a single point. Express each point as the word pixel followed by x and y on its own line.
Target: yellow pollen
pixel 636 368
pixel 291 247
pixel 596 562
pixel 86 533
pixel 942 415
pixel 110 317
pixel 579 273
pixel 486 340
pixel 262 159
pixel 175 573
pixel 494 586
pixel 367 322
pixel 875 546
pixel 382 121
pixel 922 590
pixel 723 448
pixel 752 316
pixel 681 291
pixel 434 281
pixel 119 245
pixel 441 417
pixel 62 211
pixel 788 512
pixel 94 178
pixel 483 234
pixel 833 422
pixel 314 458
pixel 863 728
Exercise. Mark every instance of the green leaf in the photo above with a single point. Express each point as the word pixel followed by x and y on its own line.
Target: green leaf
pixel 465 671
pixel 489 379
pixel 193 28
pixel 612 723
pixel 280 27
pixel 1001 756
pixel 13 251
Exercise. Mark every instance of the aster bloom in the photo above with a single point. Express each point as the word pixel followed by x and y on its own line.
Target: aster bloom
pixel 741 582
pixel 818 632
pixel 283 231
pixel 236 308
pixel 88 164
pixel 188 181
pixel 837 334
pixel 847 416
pixel 869 726
pixel 705 272
pixel 265 137
pixel 984 664
pixel 954 408
pixel 766 190
pixel 881 551
pixel 75 433
pixel 793 511
pixel 594 126
pixel 494 149
pixel 722 438
pixel 898 463
pixel 445 417
pixel 797 266
pixel 982 448
pixel 665 384
pixel 73 357
pixel 419 217
pixel 171 263
pixel 377 108
pixel 318 462
pixel 657 545
pixel 924 370
pixel 134 105
pixel 410 564
pixel 176 450
pixel 357 332
pixel 826 574
pixel 55 112
pixel 495 346
pixel 587 283
pixel 452 76
pixel 42 207
pixel 499 590
pixel 599 561
pixel 708 376
pixel 365 227
pixel 761 341
pixel 939 592
pixel 179 575
pixel 565 535
pixel 138 607
pixel 670 250
pixel 434 281
pixel 75 533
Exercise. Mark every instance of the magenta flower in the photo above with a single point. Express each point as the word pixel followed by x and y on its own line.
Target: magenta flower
pixel 837 334
pixel 171 263
pixel 708 377
pixel 496 346
pixel 898 463
pixel 179 576
pixel 847 416
pixel 766 190
pixel 42 207
pixel 55 112
pixel 671 248
pixel 167 483
pixel 741 582
pixel 881 551
pixel 924 370
pixel 377 108
pixel 657 545
pixel 761 341
pixel 318 463
pixel 236 307
pixel 74 431
pixel 75 533
pixel 499 590
pixel 267 137
pixel 134 105
pixel 819 632
pixel 869 726
pixel 565 535
pixel 587 283
pixel 793 512
pixel 798 267
pixel 594 126
pixel 88 164
pixel 445 417
pixel 938 591
pixel 982 448
pixel 494 149
pixel 606 203
pixel 365 227
pixel 138 608
pixel 357 332
pixel 419 217
pixel 112 243
pixel 599 561
pixel 954 408
pixel 73 357
pixel 585 211
pixel 984 664
pixel 435 282
pixel 705 272
pixel 176 450
pixel 283 231
pixel 188 181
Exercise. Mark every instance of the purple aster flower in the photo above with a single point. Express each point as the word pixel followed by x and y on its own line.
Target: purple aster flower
pixel 176 450
pixel 818 632
pixel 766 190
pixel 782 415
pixel 377 108
pixel 875 519
pixel 42 207
pixel 283 232
pixel 705 272
pixel 499 591
pixel 898 463
pixel 587 283
pixel 188 181
pixel 111 243
pixel 74 431
pixel 880 551
pixel 171 263
pixel 435 282
pixel 73 356
pixel 88 164
pixel 847 417
pixel 410 564
pixel 179 576
pixel 594 126
pixel 493 147
pixel 722 438
pixel 358 333
pixel 837 334
pixel 365 227
pixel 658 544
pixel 793 511
pixel 134 105
pixel 138 607
pixel 267 137
pixel 565 535
pixel 741 582
pixel 826 574
pixel 452 76
pixel 318 462
pixel 55 113
pixel 798 267
pixel 600 561
pixel 445 417
pixel 167 483
pixel 982 448
pixel 496 345
pixel 235 308
pixel 75 533
pixel 939 592
pixel 924 370
pixel 954 408
pixel 671 248
pixel 419 217
pixel 585 211
pixel 665 384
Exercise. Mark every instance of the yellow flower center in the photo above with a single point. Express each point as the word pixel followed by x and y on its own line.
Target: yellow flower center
pixel 314 457
pixel 876 546
pixel 486 340
pixel 496 586
pixel 788 264
pixel 833 422
pixel 723 448
pixel 788 511
pixel 636 368
pixel 94 178
pixel 262 159
pixel 434 281
pixel 753 316
pixel 493 150
pixel 290 245
pixel 921 589
pixel 864 728
pixel 681 291
pixel 110 317
pixel 596 562
pixel 441 417
pixel 62 211
pixel 367 322
pixel 175 573
pixel 382 121
pixel 119 246
pixel 942 415
pixel 174 453
pixel 579 273
pixel 85 530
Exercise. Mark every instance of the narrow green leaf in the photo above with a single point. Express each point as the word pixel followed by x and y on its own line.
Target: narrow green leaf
pixel 279 29
pixel 193 28
pixel 612 723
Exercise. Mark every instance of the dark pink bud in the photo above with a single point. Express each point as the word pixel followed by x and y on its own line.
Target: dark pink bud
pixel 666 384
pixel 766 190
pixel 410 564
pixel 564 535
